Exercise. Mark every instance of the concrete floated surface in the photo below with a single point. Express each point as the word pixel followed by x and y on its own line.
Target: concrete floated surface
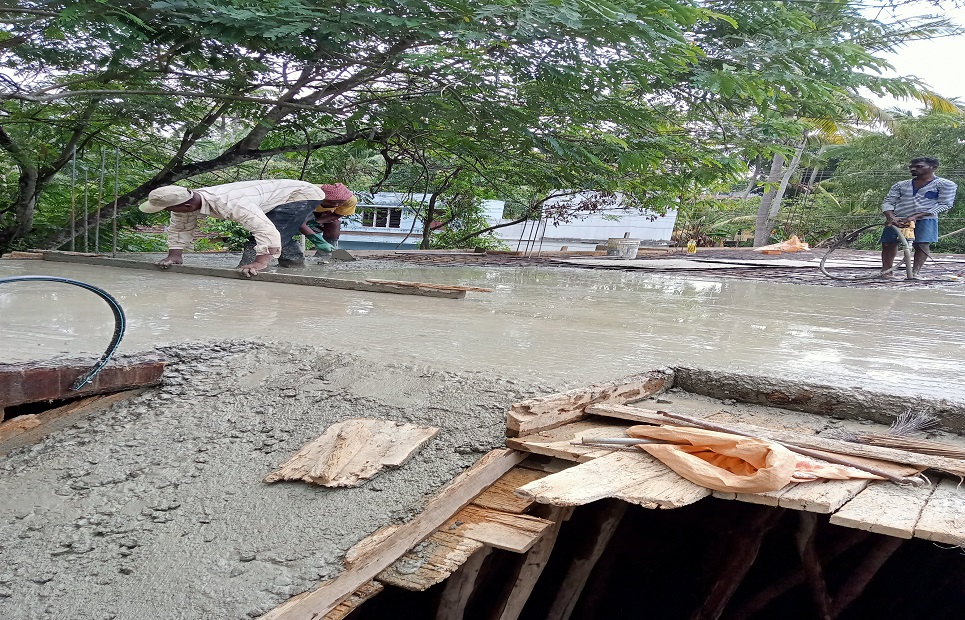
pixel 155 508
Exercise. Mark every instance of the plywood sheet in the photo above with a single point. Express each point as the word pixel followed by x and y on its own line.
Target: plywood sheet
pixel 351 451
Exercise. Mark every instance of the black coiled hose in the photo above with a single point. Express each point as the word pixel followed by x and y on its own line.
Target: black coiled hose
pixel 906 248
pixel 119 320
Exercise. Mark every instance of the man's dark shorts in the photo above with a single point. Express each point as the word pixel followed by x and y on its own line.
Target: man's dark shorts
pixel 926 231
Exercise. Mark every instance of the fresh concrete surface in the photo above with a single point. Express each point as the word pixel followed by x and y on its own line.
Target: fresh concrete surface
pixel 155 508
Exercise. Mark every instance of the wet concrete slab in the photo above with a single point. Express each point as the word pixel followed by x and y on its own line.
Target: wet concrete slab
pixel 555 323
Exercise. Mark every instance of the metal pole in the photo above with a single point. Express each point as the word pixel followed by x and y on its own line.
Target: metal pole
pixel 86 232
pixel 73 202
pixel 100 198
pixel 117 166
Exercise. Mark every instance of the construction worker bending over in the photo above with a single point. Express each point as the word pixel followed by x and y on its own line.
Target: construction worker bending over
pixel 272 211
pixel 325 227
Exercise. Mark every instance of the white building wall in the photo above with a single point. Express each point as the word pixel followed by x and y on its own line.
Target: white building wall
pixel 578 234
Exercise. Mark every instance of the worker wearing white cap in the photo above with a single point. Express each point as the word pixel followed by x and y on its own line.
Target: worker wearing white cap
pixel 272 211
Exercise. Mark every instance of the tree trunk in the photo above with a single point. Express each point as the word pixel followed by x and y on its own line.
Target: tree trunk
pixel 771 204
pixel 762 231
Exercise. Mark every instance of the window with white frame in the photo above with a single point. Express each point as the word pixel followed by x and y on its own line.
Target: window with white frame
pixel 381 217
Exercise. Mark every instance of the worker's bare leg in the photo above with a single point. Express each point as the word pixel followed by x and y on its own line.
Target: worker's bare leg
pixel 921 254
pixel 888 253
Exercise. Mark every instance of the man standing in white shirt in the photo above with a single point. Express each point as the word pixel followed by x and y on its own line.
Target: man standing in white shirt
pixel 272 211
pixel 915 202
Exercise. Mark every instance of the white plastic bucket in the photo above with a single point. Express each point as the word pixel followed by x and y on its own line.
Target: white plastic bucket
pixel 623 248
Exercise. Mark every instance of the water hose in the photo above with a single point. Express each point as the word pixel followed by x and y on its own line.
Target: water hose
pixel 906 248
pixel 119 320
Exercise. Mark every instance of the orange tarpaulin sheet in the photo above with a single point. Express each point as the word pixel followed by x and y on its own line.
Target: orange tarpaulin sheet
pixel 725 462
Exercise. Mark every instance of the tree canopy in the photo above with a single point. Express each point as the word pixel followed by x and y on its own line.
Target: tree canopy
pixel 654 99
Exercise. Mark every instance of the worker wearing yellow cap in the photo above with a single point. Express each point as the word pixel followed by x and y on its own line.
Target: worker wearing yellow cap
pixel 325 227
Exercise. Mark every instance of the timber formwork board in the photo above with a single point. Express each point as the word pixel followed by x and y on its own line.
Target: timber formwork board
pixel 407 288
pixel 555 426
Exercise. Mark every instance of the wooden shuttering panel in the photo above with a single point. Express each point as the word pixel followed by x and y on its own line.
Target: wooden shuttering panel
pixel 935 512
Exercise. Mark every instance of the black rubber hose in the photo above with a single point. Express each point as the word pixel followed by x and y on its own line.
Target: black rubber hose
pixel 119 320
pixel 854 235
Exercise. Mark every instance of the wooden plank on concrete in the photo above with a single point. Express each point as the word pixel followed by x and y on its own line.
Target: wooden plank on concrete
pixel 614 475
pixel 439 509
pixel 264 276
pixel 884 508
pixel 500 530
pixel 430 562
pixel 501 495
pixel 351 451
pixel 554 410
pixel 813 442
pixel 558 442
pixel 35 382
pixel 430 285
pixel 943 517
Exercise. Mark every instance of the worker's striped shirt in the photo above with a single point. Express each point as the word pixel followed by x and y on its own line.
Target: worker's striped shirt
pixel 936 197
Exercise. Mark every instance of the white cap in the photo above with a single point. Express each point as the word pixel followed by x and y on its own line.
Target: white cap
pixel 164 197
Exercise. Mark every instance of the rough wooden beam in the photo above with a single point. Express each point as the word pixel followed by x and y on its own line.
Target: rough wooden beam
pixel 32 382
pixel 813 571
pixel 554 410
pixel 862 575
pixel 649 416
pixel 736 562
pixel 440 508
pixel 459 587
pixel 604 526
pixel 533 565
pixel 429 285
pixel 279 278
pixel 884 508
